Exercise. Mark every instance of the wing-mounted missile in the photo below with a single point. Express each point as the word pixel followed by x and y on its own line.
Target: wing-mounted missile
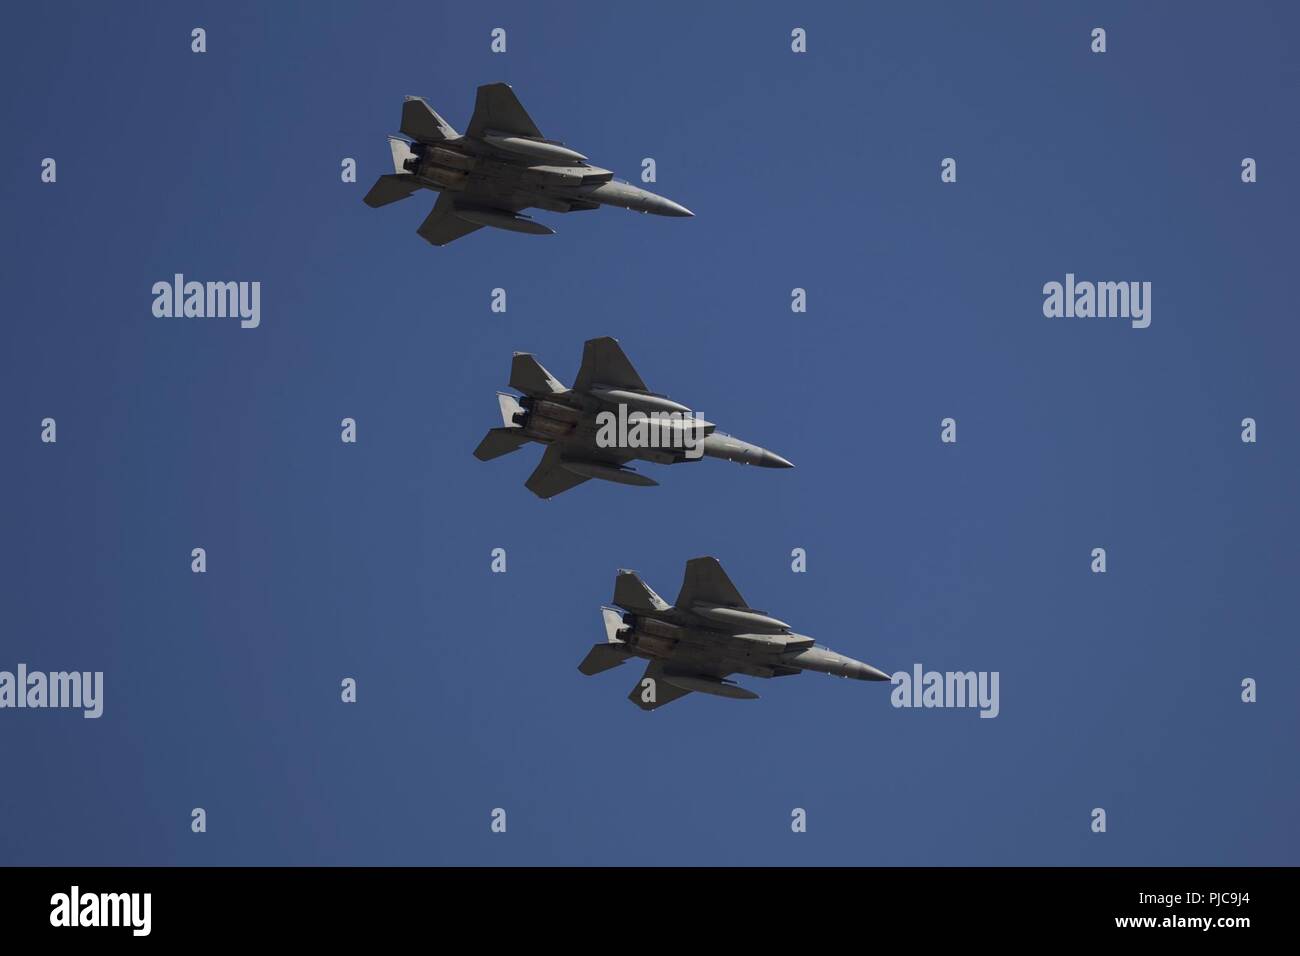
pixel 708 685
pixel 606 472
pixel 736 617
pixel 501 219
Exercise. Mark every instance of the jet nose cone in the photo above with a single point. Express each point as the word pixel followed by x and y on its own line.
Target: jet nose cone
pixel 867 672
pixel 669 208
pixel 772 460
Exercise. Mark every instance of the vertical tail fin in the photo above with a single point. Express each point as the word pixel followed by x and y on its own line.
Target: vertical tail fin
pixel 632 593
pixel 527 375
pixel 422 124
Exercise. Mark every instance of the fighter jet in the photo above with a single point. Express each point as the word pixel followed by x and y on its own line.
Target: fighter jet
pixel 500 165
pixel 709 634
pixel 591 430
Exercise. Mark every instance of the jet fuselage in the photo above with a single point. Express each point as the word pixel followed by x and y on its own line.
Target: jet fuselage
pixel 463 164
pixel 571 416
pixel 607 418
pixel 689 643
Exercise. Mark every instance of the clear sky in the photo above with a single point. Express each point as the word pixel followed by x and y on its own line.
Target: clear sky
pixel 819 171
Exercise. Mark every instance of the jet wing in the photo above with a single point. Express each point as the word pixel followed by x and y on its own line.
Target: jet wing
pixel 662 685
pixel 705 582
pixel 442 225
pixel 603 363
pixel 497 108
pixel 550 478
pixel 660 691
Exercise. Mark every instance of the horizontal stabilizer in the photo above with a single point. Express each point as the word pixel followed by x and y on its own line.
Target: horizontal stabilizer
pixel 633 594
pixel 422 124
pixel 527 375
pixel 603 657
pixel 500 441
pixel 389 188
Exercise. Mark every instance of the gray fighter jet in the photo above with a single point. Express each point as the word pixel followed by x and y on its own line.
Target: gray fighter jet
pixel 500 165
pixel 708 635
pixel 591 430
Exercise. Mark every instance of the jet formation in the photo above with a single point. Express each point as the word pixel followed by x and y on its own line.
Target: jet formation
pixel 499 166
pixel 570 422
pixel 708 635
pixel 485 177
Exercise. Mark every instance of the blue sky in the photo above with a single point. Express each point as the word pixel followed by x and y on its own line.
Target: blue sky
pixel 818 171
